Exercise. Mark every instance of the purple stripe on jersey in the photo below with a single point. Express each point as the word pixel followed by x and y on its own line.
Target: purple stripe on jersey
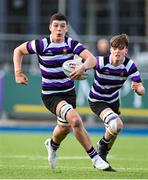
pixel 132 69
pixel 29 48
pixel 79 49
pixel 59 50
pixel 97 64
pixel 41 45
pixel 67 84
pixel 50 75
pixel 136 79
pixel 106 81
pixel 105 91
pixel 51 64
pixel 97 97
pixel 114 72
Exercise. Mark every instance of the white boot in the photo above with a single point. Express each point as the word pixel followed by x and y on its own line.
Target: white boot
pixel 99 163
pixel 51 154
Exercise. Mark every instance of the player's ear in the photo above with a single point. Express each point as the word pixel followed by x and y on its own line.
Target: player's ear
pixel 126 51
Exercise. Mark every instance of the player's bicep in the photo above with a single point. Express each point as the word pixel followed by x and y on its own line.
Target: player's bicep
pixel 22 49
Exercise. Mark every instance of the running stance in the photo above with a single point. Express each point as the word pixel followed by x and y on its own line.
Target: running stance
pixel 58 91
pixel 110 74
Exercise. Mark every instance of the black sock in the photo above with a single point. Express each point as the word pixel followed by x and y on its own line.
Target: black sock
pixel 54 145
pixel 104 144
pixel 104 141
pixel 92 152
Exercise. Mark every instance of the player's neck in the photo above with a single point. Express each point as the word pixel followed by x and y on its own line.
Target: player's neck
pixel 117 62
pixel 56 39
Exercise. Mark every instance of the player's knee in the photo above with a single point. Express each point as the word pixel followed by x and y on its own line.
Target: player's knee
pixel 112 122
pixel 116 125
pixel 119 124
pixel 76 122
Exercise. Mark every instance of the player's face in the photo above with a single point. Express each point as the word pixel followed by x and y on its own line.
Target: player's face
pixel 118 55
pixel 58 30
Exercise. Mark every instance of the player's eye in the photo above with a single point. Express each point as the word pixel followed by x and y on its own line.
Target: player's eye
pixel 63 26
pixel 55 25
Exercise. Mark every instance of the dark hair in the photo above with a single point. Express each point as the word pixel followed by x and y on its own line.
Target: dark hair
pixel 58 16
pixel 119 41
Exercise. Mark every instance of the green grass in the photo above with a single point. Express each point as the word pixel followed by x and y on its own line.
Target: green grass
pixel 23 156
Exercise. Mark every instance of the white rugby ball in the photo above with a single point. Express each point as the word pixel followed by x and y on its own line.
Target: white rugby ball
pixel 67 68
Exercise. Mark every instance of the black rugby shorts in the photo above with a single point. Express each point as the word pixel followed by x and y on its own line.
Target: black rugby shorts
pixel 98 107
pixel 52 100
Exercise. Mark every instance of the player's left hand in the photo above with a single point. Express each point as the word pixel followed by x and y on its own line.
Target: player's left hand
pixel 138 88
pixel 134 86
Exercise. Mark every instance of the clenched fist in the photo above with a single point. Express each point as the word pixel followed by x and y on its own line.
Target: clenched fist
pixel 21 78
pixel 138 88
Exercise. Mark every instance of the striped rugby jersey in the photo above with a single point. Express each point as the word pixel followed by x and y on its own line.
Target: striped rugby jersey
pixel 51 56
pixel 108 79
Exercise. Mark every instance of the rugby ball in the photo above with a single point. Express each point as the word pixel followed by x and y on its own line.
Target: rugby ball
pixel 68 67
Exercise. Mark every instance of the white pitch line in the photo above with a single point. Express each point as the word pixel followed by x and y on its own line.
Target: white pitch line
pixel 66 167
pixel 42 157
pixel 37 157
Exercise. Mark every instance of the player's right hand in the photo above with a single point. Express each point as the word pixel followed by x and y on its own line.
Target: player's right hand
pixel 21 78
pixel 78 71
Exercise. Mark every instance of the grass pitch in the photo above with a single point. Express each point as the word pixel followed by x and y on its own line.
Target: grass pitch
pixel 23 156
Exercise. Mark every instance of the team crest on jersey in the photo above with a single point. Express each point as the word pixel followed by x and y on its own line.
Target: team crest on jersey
pixel 64 51
pixel 122 73
pixel 106 71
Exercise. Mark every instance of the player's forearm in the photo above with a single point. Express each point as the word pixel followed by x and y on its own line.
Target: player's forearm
pixel 89 60
pixel 20 77
pixel 90 63
pixel 18 54
pixel 17 60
